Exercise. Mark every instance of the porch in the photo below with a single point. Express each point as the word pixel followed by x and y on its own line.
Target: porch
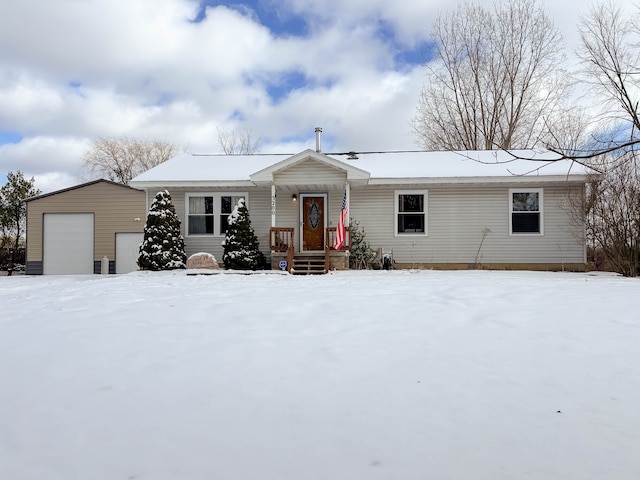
pixel 285 255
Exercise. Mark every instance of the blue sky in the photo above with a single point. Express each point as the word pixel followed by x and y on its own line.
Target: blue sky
pixel 281 22
pixel 7 138
pixel 179 70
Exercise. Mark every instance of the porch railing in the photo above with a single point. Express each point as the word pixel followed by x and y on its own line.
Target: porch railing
pixel 330 238
pixel 281 240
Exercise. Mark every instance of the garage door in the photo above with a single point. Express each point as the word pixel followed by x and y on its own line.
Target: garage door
pixel 127 245
pixel 68 243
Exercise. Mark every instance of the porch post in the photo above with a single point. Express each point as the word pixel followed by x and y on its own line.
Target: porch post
pixel 273 204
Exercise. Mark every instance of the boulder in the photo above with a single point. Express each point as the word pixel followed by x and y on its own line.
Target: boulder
pixel 202 260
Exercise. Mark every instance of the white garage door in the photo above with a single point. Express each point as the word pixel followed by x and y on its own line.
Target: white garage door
pixel 68 243
pixel 127 245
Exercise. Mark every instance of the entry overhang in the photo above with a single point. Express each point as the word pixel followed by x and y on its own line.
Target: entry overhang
pixel 353 174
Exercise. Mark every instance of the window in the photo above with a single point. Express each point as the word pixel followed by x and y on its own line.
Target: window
pixel 227 204
pixel 411 212
pixel 203 209
pixel 200 216
pixel 525 209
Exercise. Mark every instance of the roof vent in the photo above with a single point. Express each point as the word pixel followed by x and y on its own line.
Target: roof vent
pixel 318 139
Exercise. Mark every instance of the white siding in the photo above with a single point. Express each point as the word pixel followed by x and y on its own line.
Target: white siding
pixel 259 203
pixel 335 205
pixel 260 214
pixel 457 217
pixel 310 173
pixel 287 213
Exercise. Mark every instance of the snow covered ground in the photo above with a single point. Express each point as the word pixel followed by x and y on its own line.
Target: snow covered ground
pixel 353 375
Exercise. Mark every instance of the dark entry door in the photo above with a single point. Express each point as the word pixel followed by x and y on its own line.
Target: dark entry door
pixel 313 222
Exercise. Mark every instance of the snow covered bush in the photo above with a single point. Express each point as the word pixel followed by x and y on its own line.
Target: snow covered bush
pixel 163 246
pixel 362 256
pixel 241 247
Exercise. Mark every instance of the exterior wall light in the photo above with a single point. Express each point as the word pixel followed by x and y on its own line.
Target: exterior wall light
pixel 294 198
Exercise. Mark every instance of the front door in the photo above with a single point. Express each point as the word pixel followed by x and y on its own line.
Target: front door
pixel 313 221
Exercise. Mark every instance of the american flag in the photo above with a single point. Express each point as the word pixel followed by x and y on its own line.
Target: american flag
pixel 340 231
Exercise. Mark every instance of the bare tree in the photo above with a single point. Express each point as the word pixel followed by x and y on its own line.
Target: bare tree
pixel 496 81
pixel 570 132
pixel 611 66
pixel 120 159
pixel 612 212
pixel 238 141
pixel 611 71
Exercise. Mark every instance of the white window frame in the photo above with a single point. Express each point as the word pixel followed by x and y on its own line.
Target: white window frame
pixel 540 212
pixel 396 209
pixel 217 206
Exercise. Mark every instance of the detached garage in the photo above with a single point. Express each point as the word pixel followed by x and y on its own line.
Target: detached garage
pixel 70 231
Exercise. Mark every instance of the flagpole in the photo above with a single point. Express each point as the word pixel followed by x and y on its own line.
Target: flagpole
pixel 347 190
pixel 343 221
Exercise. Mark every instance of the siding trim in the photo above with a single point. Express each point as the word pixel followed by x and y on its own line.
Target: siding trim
pixel 540 192
pixel 396 209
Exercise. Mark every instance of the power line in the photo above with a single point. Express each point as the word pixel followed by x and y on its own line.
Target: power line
pixel 350 153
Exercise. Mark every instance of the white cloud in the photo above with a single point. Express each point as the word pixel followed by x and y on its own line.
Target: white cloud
pixel 52 181
pixel 410 20
pixel 53 162
pixel 103 68
pixel 23 96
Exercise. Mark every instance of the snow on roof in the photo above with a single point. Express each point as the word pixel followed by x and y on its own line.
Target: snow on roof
pixel 192 167
pixel 394 165
pixel 487 163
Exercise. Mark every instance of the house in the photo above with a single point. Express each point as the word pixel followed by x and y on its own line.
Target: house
pixel 72 231
pixel 430 209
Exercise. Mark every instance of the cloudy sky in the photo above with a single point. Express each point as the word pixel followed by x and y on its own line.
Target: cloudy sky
pixel 72 71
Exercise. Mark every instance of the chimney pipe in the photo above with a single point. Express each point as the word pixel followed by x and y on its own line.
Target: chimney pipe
pixel 318 139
